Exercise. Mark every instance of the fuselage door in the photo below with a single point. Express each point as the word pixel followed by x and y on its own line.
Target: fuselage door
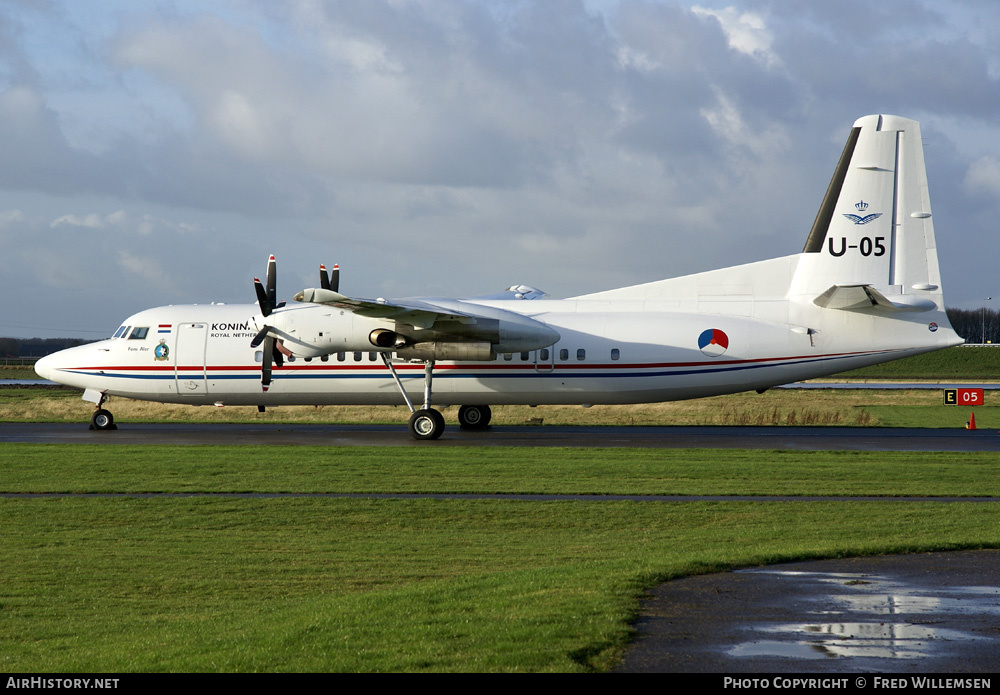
pixel 189 359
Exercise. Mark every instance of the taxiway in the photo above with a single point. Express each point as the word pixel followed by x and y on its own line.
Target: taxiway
pixel 703 437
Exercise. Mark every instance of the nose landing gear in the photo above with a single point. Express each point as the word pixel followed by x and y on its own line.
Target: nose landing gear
pixel 101 419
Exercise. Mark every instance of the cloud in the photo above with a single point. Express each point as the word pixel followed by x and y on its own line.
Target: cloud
pixel 645 140
pixel 747 32
pixel 984 176
pixel 91 221
pixel 122 221
pixel 10 217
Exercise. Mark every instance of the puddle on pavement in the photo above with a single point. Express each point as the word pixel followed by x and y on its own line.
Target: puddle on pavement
pixel 875 596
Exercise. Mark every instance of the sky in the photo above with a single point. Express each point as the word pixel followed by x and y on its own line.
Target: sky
pixel 156 152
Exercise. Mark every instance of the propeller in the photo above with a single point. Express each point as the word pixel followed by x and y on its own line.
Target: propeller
pixel 331 281
pixel 267 299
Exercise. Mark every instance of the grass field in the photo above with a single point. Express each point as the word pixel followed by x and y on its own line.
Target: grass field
pixel 315 584
pixel 832 407
pixel 959 363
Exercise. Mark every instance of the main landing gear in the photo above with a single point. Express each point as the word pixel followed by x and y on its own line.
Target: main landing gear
pixel 474 417
pixel 427 423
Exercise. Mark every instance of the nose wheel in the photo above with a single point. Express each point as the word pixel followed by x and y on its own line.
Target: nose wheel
pixel 102 420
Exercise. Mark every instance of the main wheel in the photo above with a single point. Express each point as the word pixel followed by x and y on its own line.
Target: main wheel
pixel 102 420
pixel 426 424
pixel 474 417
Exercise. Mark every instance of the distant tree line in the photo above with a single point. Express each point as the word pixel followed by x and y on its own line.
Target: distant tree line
pixel 976 324
pixel 36 347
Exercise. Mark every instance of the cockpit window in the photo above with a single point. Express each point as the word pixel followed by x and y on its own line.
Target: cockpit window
pixel 138 333
pixel 121 331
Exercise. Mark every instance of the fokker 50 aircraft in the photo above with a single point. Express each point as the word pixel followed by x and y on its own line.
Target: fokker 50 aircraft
pixel 865 289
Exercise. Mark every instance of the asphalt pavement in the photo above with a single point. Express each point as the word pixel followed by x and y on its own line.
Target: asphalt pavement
pixel 921 613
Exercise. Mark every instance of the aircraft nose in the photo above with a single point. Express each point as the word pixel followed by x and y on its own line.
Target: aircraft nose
pixel 44 367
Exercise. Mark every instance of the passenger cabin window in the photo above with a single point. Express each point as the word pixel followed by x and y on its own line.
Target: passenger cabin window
pixel 138 333
pixel 543 354
pixel 372 356
pixel 564 354
pixel 341 356
pixel 615 353
pixel 524 356
pixel 508 356
pixel 581 354
pixel 357 356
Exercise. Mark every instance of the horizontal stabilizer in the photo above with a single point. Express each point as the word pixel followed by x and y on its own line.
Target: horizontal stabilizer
pixel 513 292
pixel 861 297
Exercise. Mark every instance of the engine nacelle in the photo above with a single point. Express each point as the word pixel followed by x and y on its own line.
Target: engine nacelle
pixel 458 352
pixel 313 331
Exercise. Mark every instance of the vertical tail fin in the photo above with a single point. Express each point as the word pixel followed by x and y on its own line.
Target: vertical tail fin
pixel 874 227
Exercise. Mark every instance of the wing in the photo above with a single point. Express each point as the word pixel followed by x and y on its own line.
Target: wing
pixel 450 320
pixel 415 312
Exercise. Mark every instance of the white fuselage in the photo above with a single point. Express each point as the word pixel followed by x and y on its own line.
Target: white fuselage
pixel 607 352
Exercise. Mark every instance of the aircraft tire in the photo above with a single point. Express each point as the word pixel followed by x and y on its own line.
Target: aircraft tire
pixel 102 420
pixel 426 424
pixel 474 417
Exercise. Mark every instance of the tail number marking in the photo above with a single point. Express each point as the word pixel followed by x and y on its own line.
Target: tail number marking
pixel 866 246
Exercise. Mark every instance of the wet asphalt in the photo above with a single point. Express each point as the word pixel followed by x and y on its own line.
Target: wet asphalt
pixel 921 613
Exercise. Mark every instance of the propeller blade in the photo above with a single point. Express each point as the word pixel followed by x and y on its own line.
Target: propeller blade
pixel 335 278
pixel 262 300
pixel 272 281
pixel 324 279
pixel 259 338
pixel 265 366
pixel 279 361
